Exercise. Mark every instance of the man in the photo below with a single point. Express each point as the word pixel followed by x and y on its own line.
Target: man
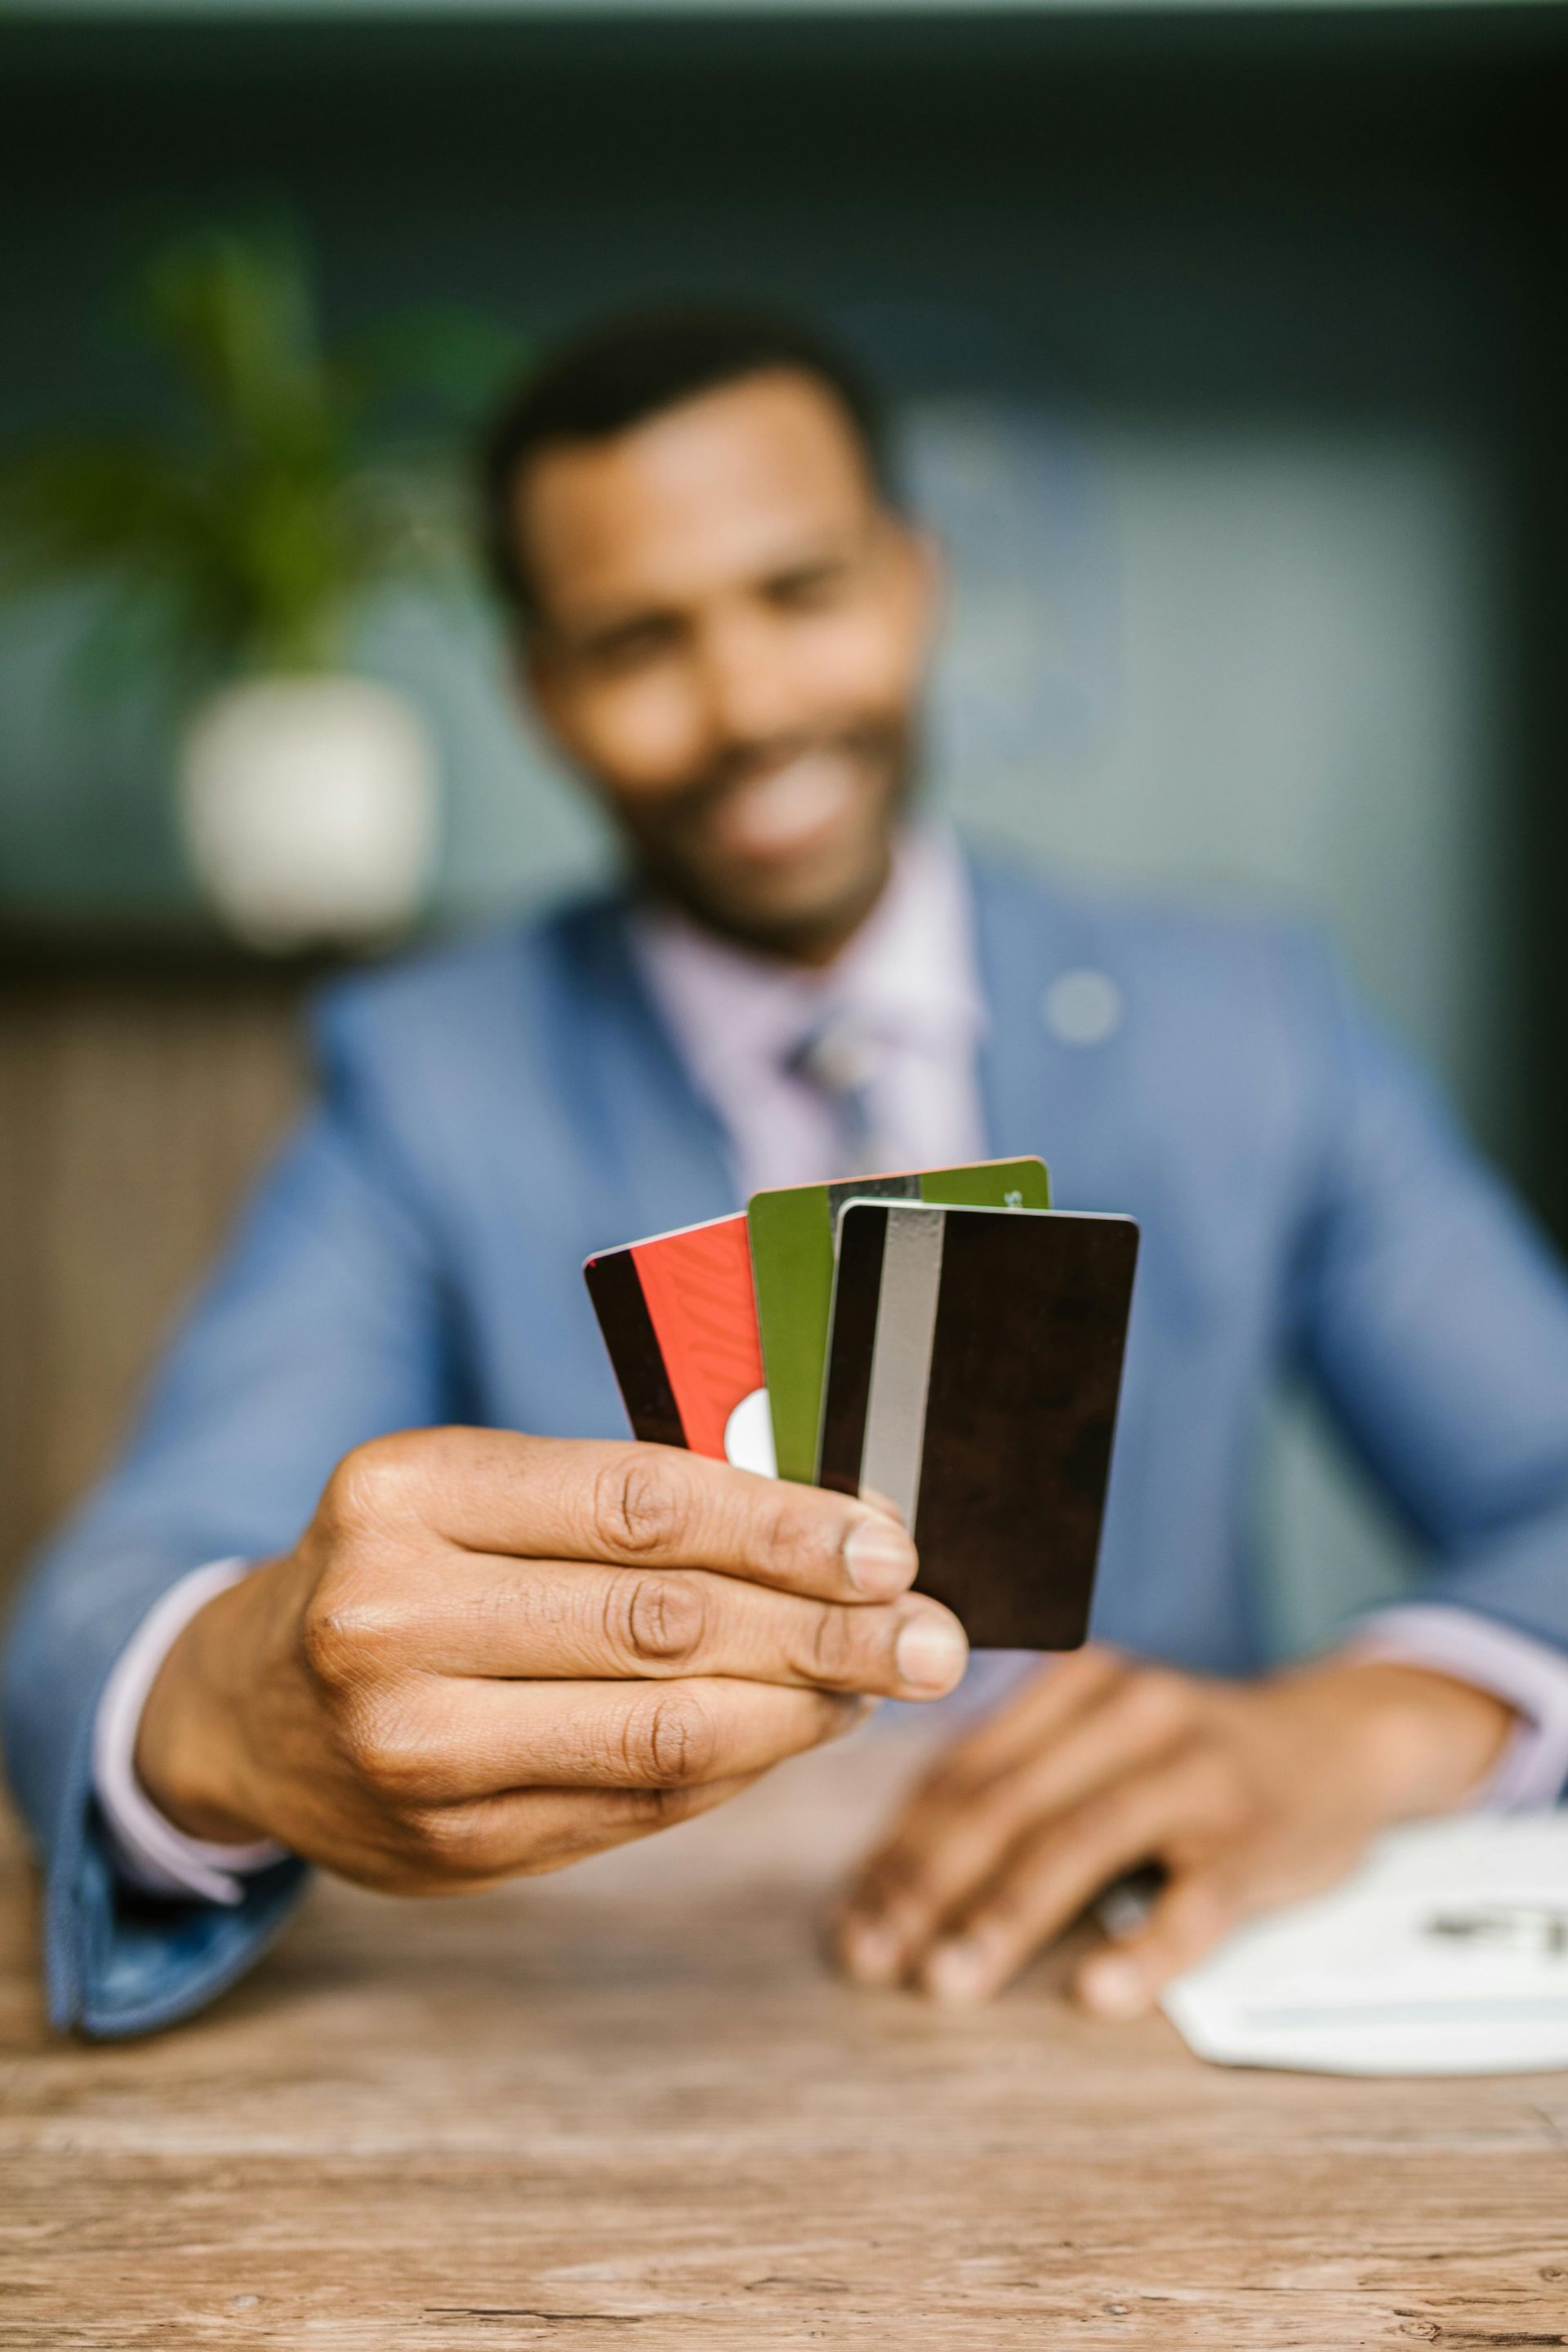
pixel 310 1619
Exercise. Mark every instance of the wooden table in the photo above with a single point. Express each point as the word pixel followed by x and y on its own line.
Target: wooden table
pixel 629 2107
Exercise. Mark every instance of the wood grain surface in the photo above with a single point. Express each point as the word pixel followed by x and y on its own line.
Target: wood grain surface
pixel 629 2107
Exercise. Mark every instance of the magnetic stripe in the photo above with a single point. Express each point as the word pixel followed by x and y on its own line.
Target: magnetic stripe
pixel 901 1358
pixel 635 1356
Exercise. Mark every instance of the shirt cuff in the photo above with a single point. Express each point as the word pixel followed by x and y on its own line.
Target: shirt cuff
pixel 150 1851
pixel 1529 1675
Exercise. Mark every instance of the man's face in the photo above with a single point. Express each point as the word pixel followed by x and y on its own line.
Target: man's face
pixel 730 638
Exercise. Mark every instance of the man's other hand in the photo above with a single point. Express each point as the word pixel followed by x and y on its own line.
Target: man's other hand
pixel 491 1655
pixel 1248 1794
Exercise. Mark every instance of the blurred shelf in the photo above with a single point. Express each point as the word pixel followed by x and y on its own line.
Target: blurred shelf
pixel 167 952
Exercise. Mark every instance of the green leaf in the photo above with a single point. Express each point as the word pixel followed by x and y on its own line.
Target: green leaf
pixel 248 538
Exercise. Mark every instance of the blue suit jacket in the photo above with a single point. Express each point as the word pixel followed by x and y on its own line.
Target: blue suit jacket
pixel 491 1113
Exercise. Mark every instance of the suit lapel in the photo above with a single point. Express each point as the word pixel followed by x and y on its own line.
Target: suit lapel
pixel 1105 1114
pixel 1069 1102
pixel 655 1152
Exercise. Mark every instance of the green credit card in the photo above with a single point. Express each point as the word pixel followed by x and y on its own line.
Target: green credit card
pixel 792 1235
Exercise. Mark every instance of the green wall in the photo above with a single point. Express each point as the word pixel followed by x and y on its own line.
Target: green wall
pixel 1262 312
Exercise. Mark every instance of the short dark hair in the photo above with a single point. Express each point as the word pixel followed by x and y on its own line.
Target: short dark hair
pixel 620 373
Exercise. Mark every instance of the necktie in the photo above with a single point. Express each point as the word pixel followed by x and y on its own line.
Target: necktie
pixel 839 1056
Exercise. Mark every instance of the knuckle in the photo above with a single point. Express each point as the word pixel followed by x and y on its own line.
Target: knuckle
pixel 347 1496
pixel 1159 1705
pixel 833 1650
pixel 898 1879
pixel 958 1784
pixel 349 1635
pixel 789 1527
pixel 384 1746
pixel 1097 1664
pixel 995 1806
pixel 442 1841
pixel 1008 1909
pixel 332 1643
pixel 651 1809
pixel 636 1507
pixel 794 1535
pixel 657 1620
pixel 672 1742
pixel 369 1484
pixel 1097 1830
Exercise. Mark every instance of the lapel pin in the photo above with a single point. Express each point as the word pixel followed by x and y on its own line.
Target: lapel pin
pixel 1083 1007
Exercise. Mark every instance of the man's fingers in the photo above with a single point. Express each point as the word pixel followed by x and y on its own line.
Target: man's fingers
pixel 468 1739
pixel 1036 1714
pixel 1190 1916
pixel 961 1826
pixel 577 1621
pixel 1202 1904
pixel 456 1849
pixel 1134 1719
pixel 1048 1878
pixel 638 1505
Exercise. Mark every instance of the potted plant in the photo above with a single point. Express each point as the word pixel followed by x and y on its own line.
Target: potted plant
pixel 243 540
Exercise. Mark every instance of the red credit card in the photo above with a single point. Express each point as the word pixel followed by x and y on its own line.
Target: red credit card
pixel 680 1319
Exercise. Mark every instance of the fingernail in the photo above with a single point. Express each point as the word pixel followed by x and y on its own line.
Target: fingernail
pixel 931 1653
pixel 1113 1987
pixel 957 1972
pixel 872 1952
pixel 879 1559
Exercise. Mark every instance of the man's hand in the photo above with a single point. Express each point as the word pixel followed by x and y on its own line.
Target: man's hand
pixel 491 1655
pixel 1248 1794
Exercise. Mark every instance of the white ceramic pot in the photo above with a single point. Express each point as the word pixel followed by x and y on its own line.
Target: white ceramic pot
pixel 309 807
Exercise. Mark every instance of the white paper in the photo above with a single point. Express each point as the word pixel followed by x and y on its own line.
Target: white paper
pixel 1447 1953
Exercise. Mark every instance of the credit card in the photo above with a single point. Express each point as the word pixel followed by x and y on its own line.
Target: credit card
pixel 679 1320
pixel 792 1233
pixel 972 1378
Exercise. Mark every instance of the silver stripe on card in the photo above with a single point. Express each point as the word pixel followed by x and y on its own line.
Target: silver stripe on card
pixel 901 1358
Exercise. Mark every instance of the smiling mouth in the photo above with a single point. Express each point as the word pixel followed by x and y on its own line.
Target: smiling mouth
pixel 788 809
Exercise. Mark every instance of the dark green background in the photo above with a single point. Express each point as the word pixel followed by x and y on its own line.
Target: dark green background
pixel 1225 219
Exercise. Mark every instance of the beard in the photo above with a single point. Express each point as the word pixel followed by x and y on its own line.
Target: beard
pixel 782 843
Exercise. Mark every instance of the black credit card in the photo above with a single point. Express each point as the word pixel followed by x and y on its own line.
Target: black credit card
pixel 974 1370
